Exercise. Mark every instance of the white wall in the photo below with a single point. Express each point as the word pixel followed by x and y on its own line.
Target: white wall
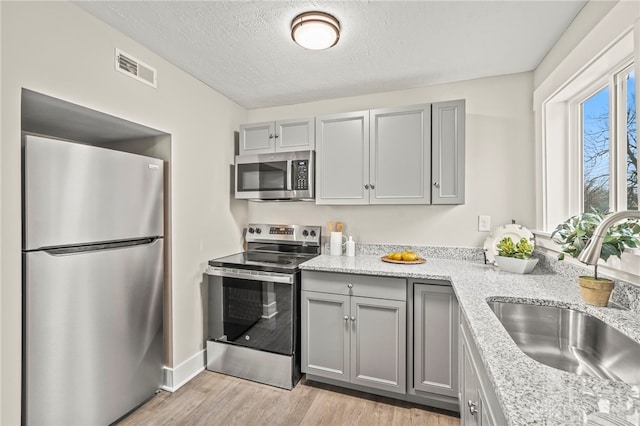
pixel 57 49
pixel 499 167
pixel 589 16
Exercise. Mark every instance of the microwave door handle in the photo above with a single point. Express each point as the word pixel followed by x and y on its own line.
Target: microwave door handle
pixel 289 175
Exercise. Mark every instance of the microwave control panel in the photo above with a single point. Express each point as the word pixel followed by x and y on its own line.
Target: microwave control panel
pixel 301 174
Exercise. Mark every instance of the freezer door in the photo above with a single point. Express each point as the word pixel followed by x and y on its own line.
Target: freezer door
pixel 92 334
pixel 75 194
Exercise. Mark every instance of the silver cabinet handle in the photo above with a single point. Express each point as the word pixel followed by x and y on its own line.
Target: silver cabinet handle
pixel 350 285
pixel 373 186
pixel 473 407
pixel 366 186
pixel 271 136
pixel 346 318
pixel 436 184
pixel 353 319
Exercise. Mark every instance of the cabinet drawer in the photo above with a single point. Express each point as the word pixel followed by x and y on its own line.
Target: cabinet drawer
pixel 355 285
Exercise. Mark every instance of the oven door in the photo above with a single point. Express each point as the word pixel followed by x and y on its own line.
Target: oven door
pixel 253 309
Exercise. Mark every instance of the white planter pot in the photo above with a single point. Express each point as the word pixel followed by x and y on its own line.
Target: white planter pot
pixel 517 266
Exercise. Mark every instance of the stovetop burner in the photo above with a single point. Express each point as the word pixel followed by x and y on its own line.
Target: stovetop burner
pixel 275 248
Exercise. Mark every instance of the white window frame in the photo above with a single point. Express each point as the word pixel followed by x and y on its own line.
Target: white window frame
pixel 562 176
pixel 617 135
pixel 621 101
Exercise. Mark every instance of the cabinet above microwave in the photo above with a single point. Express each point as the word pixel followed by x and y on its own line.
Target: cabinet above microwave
pixel 277 136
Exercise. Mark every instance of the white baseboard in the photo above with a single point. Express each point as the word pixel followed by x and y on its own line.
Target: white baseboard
pixel 175 378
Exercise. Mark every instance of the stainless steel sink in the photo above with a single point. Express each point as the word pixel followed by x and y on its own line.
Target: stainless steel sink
pixel 571 341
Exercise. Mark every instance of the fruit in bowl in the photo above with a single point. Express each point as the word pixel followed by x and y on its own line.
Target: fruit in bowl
pixel 406 255
pixel 409 256
pixel 395 256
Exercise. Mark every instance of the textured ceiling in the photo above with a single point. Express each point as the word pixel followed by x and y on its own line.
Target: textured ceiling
pixel 244 50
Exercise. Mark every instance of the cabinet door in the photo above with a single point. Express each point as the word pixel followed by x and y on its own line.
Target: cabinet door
pixel 435 317
pixel 295 135
pixel 325 335
pixel 378 343
pixel 470 402
pixel 400 158
pixel 342 158
pixel 447 144
pixel 257 138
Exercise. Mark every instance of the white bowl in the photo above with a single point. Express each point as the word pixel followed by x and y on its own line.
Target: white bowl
pixel 517 266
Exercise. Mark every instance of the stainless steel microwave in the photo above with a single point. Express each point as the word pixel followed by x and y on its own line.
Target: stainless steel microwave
pixel 279 176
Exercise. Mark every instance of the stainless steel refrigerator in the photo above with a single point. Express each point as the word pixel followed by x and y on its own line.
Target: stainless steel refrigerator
pixel 92 282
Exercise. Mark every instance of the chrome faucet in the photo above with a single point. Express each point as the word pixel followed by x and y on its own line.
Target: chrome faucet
pixel 591 252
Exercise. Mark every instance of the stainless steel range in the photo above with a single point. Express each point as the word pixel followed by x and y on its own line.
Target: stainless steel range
pixel 254 305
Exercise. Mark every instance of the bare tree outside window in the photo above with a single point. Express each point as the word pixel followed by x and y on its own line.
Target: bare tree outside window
pixel 596 149
pixel 595 140
pixel 632 144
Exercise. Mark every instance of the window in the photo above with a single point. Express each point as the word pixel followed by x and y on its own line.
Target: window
pixel 586 130
pixel 608 144
pixel 628 84
pixel 595 151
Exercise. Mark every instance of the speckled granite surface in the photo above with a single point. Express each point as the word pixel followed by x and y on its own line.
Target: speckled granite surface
pixel 529 392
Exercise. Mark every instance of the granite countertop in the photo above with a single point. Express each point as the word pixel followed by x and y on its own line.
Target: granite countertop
pixel 529 392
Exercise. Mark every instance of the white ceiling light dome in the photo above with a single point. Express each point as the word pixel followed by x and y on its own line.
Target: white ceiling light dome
pixel 315 30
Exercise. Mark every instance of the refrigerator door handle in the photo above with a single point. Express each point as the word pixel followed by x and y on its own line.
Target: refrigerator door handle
pixel 66 250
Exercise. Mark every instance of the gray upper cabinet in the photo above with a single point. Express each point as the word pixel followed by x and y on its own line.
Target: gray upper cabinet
pixel 400 156
pixel 374 157
pixel 435 328
pixel 342 158
pixel 448 146
pixel 405 155
pixel 354 329
pixel 277 136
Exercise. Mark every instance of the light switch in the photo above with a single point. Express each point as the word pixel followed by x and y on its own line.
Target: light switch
pixel 484 223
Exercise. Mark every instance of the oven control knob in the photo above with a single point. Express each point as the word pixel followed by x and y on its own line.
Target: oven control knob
pixel 313 233
pixel 305 233
pixel 258 230
pixel 251 230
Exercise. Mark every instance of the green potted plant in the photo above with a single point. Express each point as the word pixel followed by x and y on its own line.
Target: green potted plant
pixel 515 257
pixel 573 235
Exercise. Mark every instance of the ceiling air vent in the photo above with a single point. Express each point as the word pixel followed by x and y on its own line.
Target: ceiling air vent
pixel 132 67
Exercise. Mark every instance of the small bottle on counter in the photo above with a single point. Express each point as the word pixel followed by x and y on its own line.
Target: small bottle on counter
pixel 350 246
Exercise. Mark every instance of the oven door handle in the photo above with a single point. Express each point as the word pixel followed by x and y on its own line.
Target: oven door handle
pixel 242 274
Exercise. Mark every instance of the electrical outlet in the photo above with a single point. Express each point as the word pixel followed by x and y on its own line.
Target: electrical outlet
pixel 484 223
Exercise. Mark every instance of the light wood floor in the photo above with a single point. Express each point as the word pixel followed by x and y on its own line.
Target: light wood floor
pixel 215 399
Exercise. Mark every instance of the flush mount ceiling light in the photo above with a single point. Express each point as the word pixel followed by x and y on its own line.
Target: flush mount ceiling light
pixel 315 30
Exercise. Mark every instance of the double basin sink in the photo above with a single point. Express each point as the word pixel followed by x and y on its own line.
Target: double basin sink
pixel 570 340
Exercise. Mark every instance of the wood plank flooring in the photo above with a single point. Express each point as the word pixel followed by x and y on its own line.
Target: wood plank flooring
pixel 216 399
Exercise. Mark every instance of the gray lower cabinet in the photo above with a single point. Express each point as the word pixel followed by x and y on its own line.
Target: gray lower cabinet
pixel 478 403
pixel 354 329
pixel 435 338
